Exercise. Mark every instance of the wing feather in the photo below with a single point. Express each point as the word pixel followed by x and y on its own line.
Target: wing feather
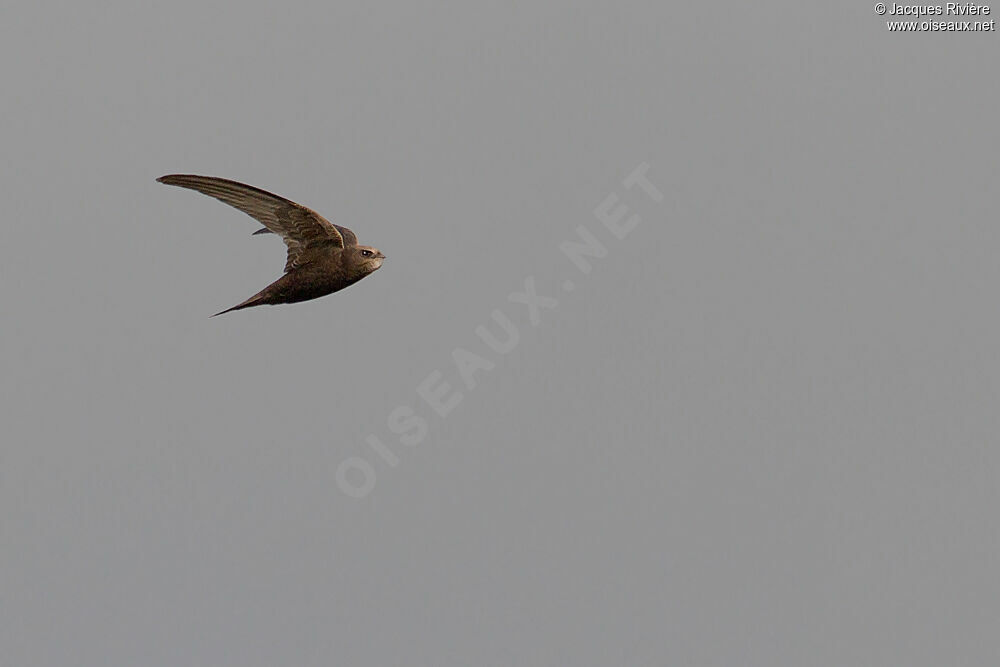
pixel 299 227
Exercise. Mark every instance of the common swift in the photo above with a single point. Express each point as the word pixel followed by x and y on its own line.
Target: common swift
pixel 322 257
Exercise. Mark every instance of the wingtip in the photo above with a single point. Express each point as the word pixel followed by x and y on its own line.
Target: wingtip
pixel 173 179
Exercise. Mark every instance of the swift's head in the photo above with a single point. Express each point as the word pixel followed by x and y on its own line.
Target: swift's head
pixel 365 257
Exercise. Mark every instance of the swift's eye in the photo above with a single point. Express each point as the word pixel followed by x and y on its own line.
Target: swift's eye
pixel 366 253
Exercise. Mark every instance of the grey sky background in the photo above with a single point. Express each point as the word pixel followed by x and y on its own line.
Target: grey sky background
pixel 762 431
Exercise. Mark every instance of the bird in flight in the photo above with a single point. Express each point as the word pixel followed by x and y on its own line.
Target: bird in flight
pixel 322 257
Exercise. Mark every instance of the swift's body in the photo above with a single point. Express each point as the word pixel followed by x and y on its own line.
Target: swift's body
pixel 322 257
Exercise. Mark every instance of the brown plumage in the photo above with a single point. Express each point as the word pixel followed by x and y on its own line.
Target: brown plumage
pixel 322 257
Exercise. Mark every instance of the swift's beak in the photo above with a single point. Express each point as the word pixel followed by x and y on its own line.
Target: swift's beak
pixel 379 255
